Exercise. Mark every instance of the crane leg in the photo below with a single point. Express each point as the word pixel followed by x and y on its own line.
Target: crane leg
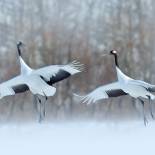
pixel 150 107
pixel 144 115
pixel 44 106
pixel 35 101
pixel 40 110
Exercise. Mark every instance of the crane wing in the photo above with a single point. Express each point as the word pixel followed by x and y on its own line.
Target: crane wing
pixel 24 83
pixel 103 92
pixel 56 73
pixel 12 87
pixel 149 87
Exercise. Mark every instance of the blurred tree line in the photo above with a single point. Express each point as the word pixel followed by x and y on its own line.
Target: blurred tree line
pixel 59 31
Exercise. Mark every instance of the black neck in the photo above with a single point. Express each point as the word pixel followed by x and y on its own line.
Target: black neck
pixel 19 51
pixel 116 60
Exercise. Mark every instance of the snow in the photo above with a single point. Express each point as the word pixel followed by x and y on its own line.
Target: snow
pixel 78 139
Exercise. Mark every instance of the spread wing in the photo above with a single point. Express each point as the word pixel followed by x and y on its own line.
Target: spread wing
pixel 13 86
pixel 103 92
pixel 24 83
pixel 56 73
pixel 147 86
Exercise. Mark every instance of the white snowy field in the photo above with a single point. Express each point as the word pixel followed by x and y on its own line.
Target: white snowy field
pixel 78 139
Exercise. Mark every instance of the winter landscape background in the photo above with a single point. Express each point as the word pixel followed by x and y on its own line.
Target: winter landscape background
pixel 78 138
pixel 60 31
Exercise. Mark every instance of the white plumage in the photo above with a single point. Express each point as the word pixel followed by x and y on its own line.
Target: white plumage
pixel 125 85
pixel 58 72
pixel 23 83
pixel 38 81
pixel 102 92
pixel 24 68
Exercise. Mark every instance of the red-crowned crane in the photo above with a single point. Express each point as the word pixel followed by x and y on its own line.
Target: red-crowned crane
pixel 38 81
pixel 124 86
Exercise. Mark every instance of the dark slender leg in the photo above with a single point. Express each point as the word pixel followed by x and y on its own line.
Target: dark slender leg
pixel 144 116
pixel 44 107
pixel 38 99
pixel 40 109
pixel 35 101
pixel 150 106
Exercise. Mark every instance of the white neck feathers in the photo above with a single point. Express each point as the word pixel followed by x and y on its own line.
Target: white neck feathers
pixel 121 76
pixel 24 69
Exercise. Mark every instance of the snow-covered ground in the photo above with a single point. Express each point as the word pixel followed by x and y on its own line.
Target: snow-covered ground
pixel 78 139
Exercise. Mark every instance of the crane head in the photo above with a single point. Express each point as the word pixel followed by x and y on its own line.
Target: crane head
pixel 20 44
pixel 113 52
